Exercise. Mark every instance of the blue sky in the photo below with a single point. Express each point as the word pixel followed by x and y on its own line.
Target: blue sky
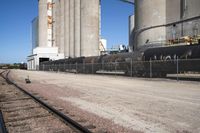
pixel 15 26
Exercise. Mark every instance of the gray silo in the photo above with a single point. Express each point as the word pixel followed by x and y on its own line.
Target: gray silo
pixel 62 27
pixel 42 35
pixel 77 28
pixel 71 28
pixel 67 29
pixel 89 27
pixel 131 32
pixel 149 13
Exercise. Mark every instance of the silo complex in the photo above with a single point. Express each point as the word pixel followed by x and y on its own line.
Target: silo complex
pixel 66 29
pixel 77 27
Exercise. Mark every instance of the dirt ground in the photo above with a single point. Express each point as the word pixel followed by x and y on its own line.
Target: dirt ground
pixel 146 105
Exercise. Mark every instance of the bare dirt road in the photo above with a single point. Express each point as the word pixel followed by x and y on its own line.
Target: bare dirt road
pixel 156 105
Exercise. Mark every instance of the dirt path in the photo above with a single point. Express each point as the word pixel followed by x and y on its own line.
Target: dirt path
pixel 156 105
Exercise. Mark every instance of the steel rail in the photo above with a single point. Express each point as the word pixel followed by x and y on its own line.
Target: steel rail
pixel 2 124
pixel 59 114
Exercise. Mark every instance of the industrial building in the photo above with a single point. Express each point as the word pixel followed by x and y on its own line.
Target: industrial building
pixel 155 22
pixel 64 29
pixel 71 28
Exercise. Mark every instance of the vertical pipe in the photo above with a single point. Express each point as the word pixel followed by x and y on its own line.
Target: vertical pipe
pixel 71 28
pixel 77 28
pixel 67 31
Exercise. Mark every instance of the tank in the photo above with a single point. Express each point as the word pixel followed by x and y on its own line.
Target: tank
pixel 149 13
pixel 42 35
pixel 131 32
pixel 67 31
pixel 89 28
pixel 71 28
pixel 62 27
pixel 77 28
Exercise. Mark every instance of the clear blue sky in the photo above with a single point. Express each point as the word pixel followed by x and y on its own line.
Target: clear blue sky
pixel 15 26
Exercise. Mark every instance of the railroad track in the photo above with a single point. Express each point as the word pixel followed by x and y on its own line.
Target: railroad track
pixel 23 112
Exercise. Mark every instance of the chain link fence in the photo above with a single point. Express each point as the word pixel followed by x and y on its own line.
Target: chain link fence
pixel 152 68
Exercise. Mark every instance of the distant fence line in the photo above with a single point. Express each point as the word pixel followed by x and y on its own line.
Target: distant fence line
pixel 152 68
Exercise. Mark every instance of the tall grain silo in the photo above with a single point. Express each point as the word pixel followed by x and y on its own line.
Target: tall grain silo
pixel 149 13
pixel 62 27
pixel 89 27
pixel 42 34
pixel 67 29
pixel 71 28
pixel 77 28
pixel 131 32
pixel 56 25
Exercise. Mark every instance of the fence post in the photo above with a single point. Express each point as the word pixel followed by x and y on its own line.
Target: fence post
pixel 177 68
pixel 64 67
pixel 92 68
pixel 76 67
pixel 83 66
pixel 115 68
pixel 131 67
pixel 150 68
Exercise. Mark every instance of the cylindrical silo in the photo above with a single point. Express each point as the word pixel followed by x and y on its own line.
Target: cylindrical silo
pixel 42 23
pixel 131 32
pixel 71 28
pixel 89 27
pixel 62 26
pixel 77 17
pixel 67 29
pixel 56 25
pixel 149 13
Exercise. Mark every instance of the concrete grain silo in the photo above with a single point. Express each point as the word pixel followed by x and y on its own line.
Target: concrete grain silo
pixel 131 32
pixel 149 13
pixel 56 25
pixel 61 46
pixel 42 23
pixel 67 29
pixel 77 28
pixel 89 27
pixel 71 28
